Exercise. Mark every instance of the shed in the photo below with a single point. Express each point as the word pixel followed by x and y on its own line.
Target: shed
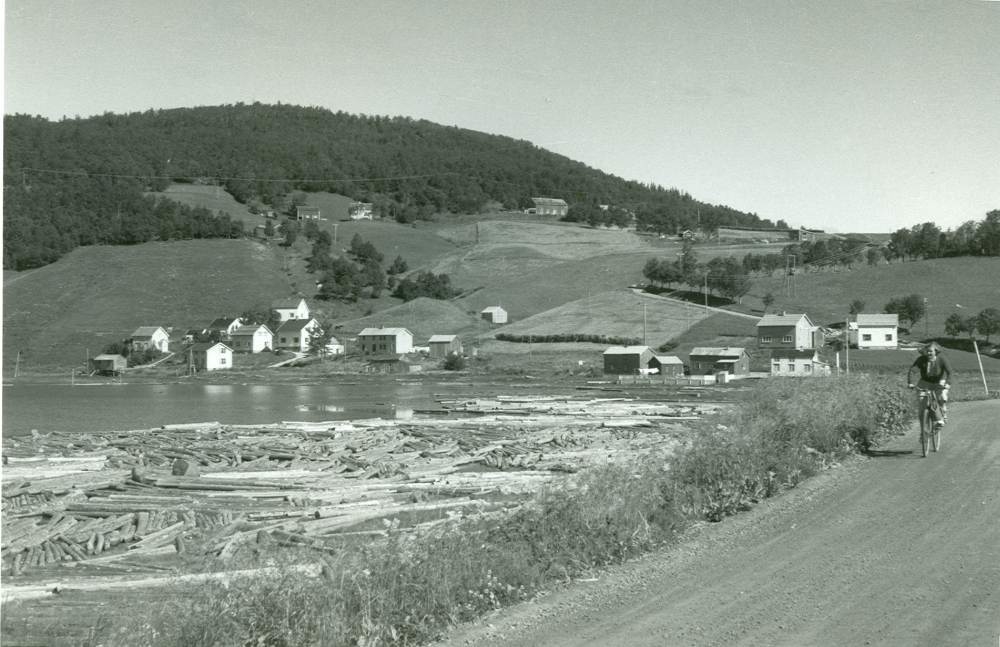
pixel 709 360
pixel 627 360
pixel 668 365
pixel 108 364
pixel 395 363
pixel 550 206
pixel 305 212
pixel 444 345
pixel 494 315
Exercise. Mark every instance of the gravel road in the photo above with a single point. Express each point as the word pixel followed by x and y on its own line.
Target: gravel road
pixel 891 550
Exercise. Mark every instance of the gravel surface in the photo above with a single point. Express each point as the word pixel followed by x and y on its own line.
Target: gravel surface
pixel 890 550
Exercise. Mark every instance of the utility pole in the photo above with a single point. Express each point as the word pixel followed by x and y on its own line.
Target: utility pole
pixel 17 364
pixel 847 345
pixel 706 289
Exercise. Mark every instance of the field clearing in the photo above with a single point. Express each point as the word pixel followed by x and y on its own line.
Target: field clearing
pixel 945 282
pixel 619 313
pixel 100 294
pixel 213 198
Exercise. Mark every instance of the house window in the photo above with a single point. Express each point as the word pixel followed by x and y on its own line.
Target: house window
pixel 222 360
pixel 808 368
pixel 787 339
pixel 776 367
pixel 888 336
pixel 765 340
pixel 866 337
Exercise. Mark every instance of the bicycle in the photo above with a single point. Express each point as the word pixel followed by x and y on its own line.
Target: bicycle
pixel 929 416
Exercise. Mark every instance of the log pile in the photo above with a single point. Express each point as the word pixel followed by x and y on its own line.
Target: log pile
pixel 137 498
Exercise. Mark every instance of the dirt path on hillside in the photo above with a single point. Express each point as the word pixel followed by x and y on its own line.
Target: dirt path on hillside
pixel 895 550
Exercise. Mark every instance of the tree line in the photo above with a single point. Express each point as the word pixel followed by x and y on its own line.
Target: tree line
pixel 927 240
pixel 725 276
pixel 81 181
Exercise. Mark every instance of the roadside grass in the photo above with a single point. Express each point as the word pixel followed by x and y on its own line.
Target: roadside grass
pixel 407 589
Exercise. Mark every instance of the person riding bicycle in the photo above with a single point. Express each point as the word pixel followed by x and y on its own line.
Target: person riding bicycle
pixel 935 374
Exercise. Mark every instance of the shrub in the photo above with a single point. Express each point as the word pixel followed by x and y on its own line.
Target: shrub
pixel 454 362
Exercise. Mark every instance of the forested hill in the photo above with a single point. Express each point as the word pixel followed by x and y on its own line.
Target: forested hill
pixel 82 181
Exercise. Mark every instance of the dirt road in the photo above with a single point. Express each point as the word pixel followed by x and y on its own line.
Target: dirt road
pixel 894 550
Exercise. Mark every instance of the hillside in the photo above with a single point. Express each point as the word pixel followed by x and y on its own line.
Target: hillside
pixel 87 181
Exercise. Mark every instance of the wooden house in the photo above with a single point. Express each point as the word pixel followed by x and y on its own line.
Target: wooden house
pixel 385 341
pixel 627 360
pixel 393 363
pixel 667 365
pixel 788 331
pixel 150 338
pixel 252 339
pixel 223 327
pixel 210 356
pixel 108 364
pixel 874 331
pixel 792 362
pixel 444 345
pixel 550 207
pixel 706 360
pixel 494 315
pixel 291 308
pixel 296 334
pixel 305 212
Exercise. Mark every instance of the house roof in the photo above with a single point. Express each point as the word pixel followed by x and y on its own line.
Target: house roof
pixel 782 320
pixel 715 351
pixel 628 350
pixel 207 345
pixel 793 353
pixel 368 332
pixel 108 357
pixel 549 202
pixel 290 303
pixel 250 331
pixel 146 331
pixel 295 325
pixel 877 320
pixel 492 309
pixel 304 208
pixel 222 323
pixel 441 339
pixel 668 359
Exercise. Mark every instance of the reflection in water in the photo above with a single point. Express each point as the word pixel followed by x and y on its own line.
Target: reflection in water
pixel 328 408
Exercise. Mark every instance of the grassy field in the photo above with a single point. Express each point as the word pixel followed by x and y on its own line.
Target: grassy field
pixel 826 296
pixel 213 198
pixel 56 314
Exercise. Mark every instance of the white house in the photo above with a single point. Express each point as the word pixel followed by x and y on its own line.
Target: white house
pixel 549 207
pixel 494 314
pixel 210 356
pixel 874 331
pixel 150 338
pixel 295 334
pixel 224 326
pixel 291 308
pixel 305 212
pixel 792 362
pixel 361 210
pixel 252 339
pixel 385 341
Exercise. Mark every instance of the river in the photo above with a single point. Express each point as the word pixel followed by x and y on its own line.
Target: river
pixel 109 406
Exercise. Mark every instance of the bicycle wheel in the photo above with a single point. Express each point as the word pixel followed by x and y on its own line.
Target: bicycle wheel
pixel 925 430
pixel 936 438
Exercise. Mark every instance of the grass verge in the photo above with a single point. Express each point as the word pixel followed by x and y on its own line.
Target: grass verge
pixel 407 589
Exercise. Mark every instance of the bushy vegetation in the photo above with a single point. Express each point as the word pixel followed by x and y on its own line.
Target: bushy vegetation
pixel 565 338
pixel 407 589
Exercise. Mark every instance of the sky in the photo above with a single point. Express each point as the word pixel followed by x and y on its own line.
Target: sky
pixel 861 116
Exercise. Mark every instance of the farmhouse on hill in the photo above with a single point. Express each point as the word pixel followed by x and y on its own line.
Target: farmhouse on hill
pixel 150 338
pixel 444 345
pixel 210 356
pixel 494 315
pixel 874 331
pixel 705 360
pixel 305 212
pixel 385 341
pixel 295 334
pixel 549 207
pixel 627 360
pixel 788 331
pixel 224 326
pixel 291 308
pixel 361 211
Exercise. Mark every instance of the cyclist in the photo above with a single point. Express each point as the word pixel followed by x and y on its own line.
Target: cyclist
pixel 934 376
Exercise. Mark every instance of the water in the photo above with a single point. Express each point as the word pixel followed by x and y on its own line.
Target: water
pixel 48 407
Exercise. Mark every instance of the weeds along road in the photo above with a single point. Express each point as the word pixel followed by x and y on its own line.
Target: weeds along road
pixel 892 550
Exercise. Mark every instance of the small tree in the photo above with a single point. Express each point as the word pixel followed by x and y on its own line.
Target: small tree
pixel 954 325
pixel 454 362
pixel 988 322
pixel 910 309
pixel 398 266
pixel 857 307
pixel 768 301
